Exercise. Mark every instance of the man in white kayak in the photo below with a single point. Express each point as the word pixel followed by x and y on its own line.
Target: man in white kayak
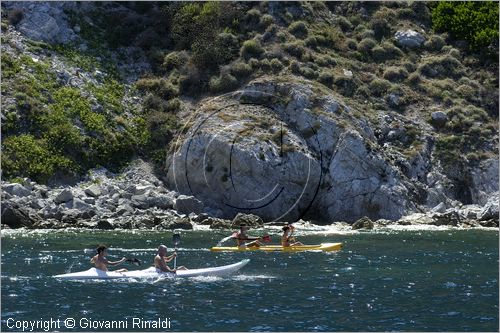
pixel 161 259
pixel 100 261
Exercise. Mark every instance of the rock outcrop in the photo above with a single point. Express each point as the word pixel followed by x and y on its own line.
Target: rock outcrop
pixel 262 150
pixel 363 223
pixel 45 20
pixel 409 38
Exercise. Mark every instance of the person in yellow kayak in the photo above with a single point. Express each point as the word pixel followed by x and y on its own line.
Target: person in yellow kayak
pixel 100 261
pixel 242 238
pixel 287 239
pixel 161 260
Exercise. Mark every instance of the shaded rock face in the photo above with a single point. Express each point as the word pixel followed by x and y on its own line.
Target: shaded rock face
pixel 485 181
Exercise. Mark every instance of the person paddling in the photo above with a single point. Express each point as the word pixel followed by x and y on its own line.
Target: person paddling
pixel 287 239
pixel 161 259
pixel 241 238
pixel 100 261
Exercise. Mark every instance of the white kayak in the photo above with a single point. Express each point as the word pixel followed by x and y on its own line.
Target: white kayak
pixel 152 272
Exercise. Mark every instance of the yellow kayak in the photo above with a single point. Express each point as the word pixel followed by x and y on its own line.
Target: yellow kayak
pixel 326 247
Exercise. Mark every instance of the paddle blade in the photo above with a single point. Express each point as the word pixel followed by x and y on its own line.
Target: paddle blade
pixel 176 239
pixel 134 261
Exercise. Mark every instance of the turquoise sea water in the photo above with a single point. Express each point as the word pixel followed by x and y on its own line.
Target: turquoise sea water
pixel 444 280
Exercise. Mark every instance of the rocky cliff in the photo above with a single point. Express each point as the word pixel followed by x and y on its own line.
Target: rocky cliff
pixel 285 151
pixel 288 111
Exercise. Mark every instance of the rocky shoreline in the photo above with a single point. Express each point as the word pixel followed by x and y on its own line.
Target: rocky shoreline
pixel 137 199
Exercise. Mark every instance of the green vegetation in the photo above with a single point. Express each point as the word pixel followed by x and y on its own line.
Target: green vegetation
pixel 475 22
pixel 251 48
pixel 53 128
pixel 198 49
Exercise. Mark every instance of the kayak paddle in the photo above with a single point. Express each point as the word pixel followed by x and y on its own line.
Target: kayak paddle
pixel 176 239
pixel 134 261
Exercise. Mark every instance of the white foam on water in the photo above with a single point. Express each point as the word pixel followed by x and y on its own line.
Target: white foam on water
pixel 416 227
pixel 239 277
pixel 246 277
pixel 200 227
pixel 206 278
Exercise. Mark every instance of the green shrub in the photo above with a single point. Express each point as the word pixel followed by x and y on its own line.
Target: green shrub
pixel 414 78
pixel 455 53
pixel 154 103
pixel 251 48
pixel 386 51
pixel 109 94
pixel 160 87
pixel 241 70
pixel 441 66
pixel 311 41
pixel 308 73
pixel 475 22
pixel 276 65
pixel 266 20
pixel 295 49
pixel 381 27
pixel 405 13
pixel 190 84
pixel 25 156
pixel 281 36
pixel 435 43
pixel 265 65
pixel 253 17
pixel 325 60
pixel 345 85
pixel 223 83
pixel 173 105
pixel 351 44
pixel 298 29
pixel 395 74
pixel 254 63
pixel 194 22
pixel 421 11
pixel 379 86
pixel 382 21
pixel 366 45
pixel 326 78
pixel 10 66
pixel 467 92
pixel 410 66
pixel 368 33
pixel 174 60
pixel 210 54
pixel 344 23
pixel 295 67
